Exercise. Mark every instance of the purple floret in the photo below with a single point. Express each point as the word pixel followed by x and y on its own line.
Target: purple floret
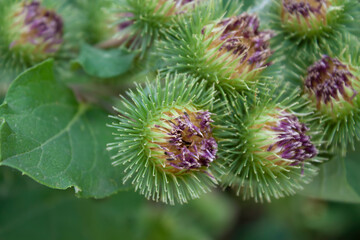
pixel 328 79
pixel 303 8
pixel 190 144
pixel 205 121
pixel 241 36
pixel 127 20
pixel 292 142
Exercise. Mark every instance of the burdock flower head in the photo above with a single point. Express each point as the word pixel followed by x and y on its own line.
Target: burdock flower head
pixel 36 29
pixel 268 148
pixel 248 45
pixel 165 140
pixel 331 83
pixel 311 25
pixel 232 52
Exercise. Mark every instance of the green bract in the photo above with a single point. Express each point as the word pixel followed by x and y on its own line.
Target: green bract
pixel 159 125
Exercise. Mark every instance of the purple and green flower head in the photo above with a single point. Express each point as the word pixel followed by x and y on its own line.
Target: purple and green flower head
pixel 231 52
pixel 241 36
pixel 165 142
pixel 184 141
pixel 269 148
pixel 313 23
pixel 332 83
pixel 306 16
pixel 304 11
pixel 285 137
pixel 281 139
pixel 330 80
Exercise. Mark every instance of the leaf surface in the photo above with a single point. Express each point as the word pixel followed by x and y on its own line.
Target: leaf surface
pixel 46 134
pixel 338 179
pixel 104 63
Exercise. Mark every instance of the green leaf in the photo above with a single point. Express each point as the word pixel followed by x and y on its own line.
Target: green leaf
pixel 103 63
pixel 42 213
pixel 352 165
pixel 53 139
pixel 338 179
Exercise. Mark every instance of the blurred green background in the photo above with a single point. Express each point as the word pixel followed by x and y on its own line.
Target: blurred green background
pixel 29 210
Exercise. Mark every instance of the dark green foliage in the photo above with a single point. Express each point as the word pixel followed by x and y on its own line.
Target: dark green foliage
pixel 54 139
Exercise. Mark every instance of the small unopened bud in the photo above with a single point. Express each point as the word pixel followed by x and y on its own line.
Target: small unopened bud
pixel 139 24
pixel 36 29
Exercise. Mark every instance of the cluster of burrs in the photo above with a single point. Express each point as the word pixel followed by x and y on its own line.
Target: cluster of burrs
pixel 264 148
pixel 214 116
pixel 37 26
